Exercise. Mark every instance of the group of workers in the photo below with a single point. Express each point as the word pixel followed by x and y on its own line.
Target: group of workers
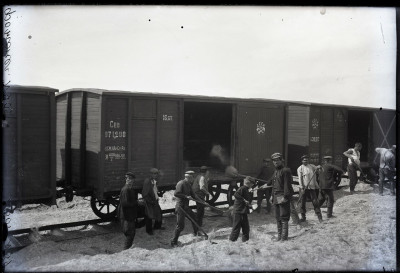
pixel 315 182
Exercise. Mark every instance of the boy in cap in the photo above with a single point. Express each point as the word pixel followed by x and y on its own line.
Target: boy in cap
pixel 151 197
pixel 183 194
pixel 387 167
pixel 308 187
pixel 327 174
pixel 241 205
pixel 265 173
pixel 282 194
pixel 127 209
pixel 200 188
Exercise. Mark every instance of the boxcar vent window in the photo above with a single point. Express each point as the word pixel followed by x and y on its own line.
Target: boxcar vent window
pixel 207 125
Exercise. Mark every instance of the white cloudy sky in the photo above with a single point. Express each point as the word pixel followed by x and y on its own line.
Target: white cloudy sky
pixel 333 55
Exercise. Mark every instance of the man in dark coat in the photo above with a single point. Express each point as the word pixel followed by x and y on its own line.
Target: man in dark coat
pixel 200 188
pixel 265 173
pixel 127 209
pixel 327 174
pixel 183 194
pixel 150 196
pixel 282 194
pixel 241 205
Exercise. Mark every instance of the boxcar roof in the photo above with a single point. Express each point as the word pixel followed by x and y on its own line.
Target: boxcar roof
pixel 202 98
pixel 29 89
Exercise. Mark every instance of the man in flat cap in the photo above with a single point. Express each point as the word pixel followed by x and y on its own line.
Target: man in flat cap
pixel 127 209
pixel 200 188
pixel 353 156
pixel 183 194
pixel 327 174
pixel 265 173
pixel 151 197
pixel 241 205
pixel 308 187
pixel 387 167
pixel 282 194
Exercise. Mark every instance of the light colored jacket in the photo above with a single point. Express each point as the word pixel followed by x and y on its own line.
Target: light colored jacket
pixel 307 176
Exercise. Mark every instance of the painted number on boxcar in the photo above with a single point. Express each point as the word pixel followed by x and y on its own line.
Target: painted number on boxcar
pixel 166 118
pixel 117 151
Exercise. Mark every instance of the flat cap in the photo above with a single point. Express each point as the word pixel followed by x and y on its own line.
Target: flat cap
pixel 203 168
pixel 305 156
pixel 266 160
pixel 189 172
pixel 248 180
pixel 328 157
pixel 276 155
pixel 131 174
pixel 154 170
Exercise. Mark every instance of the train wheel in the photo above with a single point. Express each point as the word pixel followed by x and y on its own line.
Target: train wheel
pixel 215 190
pixel 105 209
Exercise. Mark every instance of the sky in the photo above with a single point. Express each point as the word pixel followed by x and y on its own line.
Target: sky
pixel 333 55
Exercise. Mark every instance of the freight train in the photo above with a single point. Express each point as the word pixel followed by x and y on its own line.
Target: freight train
pixel 83 141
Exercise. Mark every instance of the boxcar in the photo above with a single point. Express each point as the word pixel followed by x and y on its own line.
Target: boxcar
pixel 29 132
pixel 102 134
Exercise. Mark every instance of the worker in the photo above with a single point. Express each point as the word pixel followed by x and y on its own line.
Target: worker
pixel 240 210
pixel 200 188
pixel 265 173
pixel 308 187
pixel 183 194
pixel 151 197
pixel 282 194
pixel 327 173
pixel 127 209
pixel 353 156
pixel 387 167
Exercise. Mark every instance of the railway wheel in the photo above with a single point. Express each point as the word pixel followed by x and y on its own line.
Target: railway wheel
pixel 105 209
pixel 215 190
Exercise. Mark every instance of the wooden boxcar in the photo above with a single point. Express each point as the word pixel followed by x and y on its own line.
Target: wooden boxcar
pixel 29 133
pixel 101 134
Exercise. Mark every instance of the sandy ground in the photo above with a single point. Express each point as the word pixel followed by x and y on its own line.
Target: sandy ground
pixel 362 236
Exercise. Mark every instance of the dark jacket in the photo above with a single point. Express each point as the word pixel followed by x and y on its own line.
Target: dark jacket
pixel 327 175
pixel 153 209
pixel 183 188
pixel 239 206
pixel 127 209
pixel 282 183
pixel 265 173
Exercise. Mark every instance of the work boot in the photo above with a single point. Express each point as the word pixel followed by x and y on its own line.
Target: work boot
pixel 329 212
pixel 279 226
pixel 320 218
pixel 303 217
pixel 128 242
pixel 285 230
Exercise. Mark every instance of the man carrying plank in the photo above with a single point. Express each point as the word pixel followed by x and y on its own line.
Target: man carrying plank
pixel 183 194
pixel 308 187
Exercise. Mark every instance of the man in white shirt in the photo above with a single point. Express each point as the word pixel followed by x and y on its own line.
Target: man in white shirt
pixel 200 188
pixel 387 167
pixel 308 187
pixel 353 156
